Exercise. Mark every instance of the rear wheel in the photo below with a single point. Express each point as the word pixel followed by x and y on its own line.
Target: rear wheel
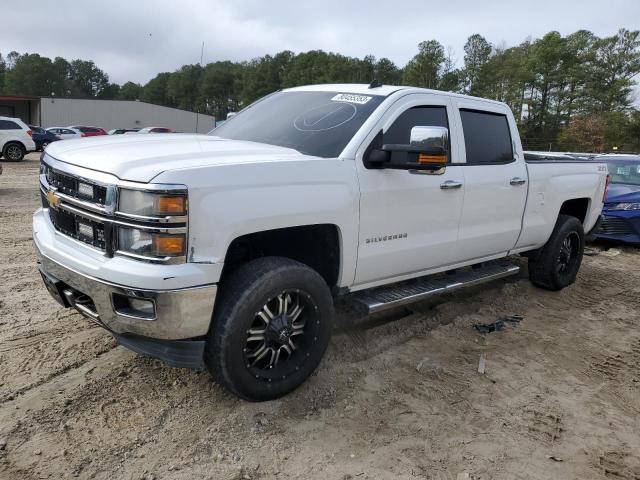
pixel 13 152
pixel 556 265
pixel 271 327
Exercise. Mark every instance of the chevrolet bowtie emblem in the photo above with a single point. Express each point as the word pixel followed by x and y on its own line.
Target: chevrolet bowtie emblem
pixel 53 199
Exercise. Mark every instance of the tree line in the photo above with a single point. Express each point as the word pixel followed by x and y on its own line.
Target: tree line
pixel 571 92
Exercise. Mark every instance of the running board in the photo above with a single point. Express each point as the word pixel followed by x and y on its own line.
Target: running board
pixel 397 294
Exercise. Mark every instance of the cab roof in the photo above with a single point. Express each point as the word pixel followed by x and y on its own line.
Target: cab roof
pixel 383 90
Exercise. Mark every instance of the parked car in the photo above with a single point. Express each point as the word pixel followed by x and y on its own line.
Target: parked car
pixel 120 131
pixel 89 131
pixel 65 133
pixel 564 156
pixel 42 137
pixel 15 139
pixel 155 130
pixel 622 204
pixel 227 250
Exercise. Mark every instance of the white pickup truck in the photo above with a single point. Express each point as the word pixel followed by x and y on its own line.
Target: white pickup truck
pixel 226 250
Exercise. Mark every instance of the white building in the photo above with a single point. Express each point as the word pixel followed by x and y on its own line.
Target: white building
pixel 108 114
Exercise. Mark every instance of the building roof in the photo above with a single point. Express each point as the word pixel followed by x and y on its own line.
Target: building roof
pixel 17 97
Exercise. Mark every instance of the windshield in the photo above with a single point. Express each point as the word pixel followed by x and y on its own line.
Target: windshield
pixel 624 172
pixel 314 123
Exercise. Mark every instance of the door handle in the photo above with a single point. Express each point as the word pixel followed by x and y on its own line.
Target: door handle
pixel 450 185
pixel 517 181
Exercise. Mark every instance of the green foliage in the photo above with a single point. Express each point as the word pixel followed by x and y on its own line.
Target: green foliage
pixel 559 87
pixel 87 79
pixel 3 70
pixel 129 91
pixel 424 70
pixel 30 74
pixel 155 91
pixel 476 54
pixel 110 92
pixel 183 87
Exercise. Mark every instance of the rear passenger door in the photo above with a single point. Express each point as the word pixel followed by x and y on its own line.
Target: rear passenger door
pixel 8 131
pixel 495 180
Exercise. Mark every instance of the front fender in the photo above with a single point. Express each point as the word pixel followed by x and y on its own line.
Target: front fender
pixel 229 201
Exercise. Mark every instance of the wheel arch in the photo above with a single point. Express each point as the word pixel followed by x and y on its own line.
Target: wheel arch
pixel 9 142
pixel 576 207
pixel 318 246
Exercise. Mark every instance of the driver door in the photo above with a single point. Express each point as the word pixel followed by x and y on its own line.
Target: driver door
pixel 409 220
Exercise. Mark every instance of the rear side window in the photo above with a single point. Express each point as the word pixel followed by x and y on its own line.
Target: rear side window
pixel 487 137
pixel 400 130
pixel 9 125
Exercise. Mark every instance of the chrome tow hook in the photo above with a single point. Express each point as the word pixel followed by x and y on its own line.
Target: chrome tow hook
pixel 81 304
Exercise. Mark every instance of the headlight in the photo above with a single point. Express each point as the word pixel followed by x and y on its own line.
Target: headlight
pixel 164 235
pixel 152 204
pixel 623 206
pixel 151 244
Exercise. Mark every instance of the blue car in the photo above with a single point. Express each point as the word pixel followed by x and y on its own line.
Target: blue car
pixel 622 204
pixel 42 137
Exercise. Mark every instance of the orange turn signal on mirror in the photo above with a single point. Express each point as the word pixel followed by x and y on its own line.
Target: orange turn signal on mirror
pixel 170 205
pixel 168 245
pixel 424 158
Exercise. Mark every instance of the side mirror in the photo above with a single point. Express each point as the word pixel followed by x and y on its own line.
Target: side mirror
pixel 428 149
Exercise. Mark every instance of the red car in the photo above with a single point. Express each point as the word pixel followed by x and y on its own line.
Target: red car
pixel 89 131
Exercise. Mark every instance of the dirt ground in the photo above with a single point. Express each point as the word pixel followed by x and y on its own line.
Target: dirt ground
pixel 397 396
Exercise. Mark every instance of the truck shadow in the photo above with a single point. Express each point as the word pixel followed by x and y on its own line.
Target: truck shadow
pixel 358 336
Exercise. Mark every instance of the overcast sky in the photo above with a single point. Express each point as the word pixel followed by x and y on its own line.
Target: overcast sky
pixel 136 39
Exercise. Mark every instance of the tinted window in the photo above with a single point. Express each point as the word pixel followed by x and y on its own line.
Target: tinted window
pixel 313 123
pixel 486 137
pixel 400 131
pixel 66 131
pixel 624 172
pixel 9 125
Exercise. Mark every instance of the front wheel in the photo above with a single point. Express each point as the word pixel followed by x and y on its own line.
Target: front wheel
pixel 556 265
pixel 271 327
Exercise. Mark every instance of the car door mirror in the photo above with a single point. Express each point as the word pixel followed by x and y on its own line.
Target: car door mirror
pixel 428 149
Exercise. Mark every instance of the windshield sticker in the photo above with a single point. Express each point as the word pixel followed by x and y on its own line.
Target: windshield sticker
pixel 324 117
pixel 624 170
pixel 351 98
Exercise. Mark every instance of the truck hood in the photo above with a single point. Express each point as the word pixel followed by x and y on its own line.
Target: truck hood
pixel 141 157
pixel 622 192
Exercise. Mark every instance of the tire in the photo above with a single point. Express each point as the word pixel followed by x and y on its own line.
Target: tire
pixel 274 305
pixel 555 266
pixel 43 145
pixel 13 152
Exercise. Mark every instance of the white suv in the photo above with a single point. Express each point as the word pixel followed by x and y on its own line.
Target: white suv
pixel 15 139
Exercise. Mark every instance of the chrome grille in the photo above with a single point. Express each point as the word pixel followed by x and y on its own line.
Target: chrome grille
pixel 80 228
pixel 70 185
pixel 615 226
pixel 82 212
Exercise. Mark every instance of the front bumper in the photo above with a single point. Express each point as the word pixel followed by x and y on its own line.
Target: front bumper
pixel 183 308
pixel 620 226
pixel 179 314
